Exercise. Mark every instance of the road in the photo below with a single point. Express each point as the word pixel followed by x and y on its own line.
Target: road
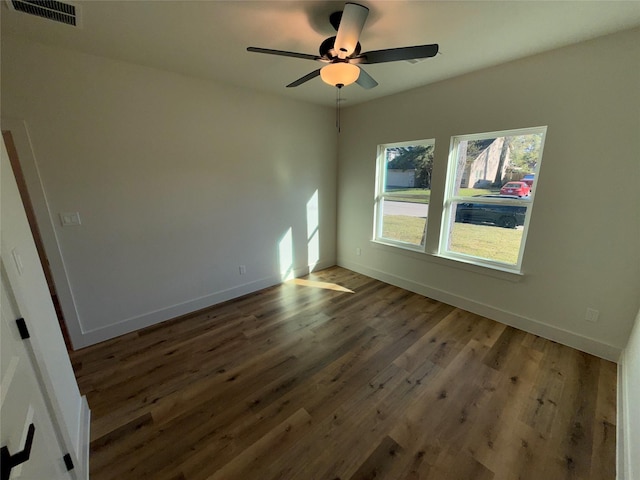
pixel 406 208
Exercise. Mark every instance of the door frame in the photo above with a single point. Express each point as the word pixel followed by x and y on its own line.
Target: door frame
pixel 44 219
pixel 14 160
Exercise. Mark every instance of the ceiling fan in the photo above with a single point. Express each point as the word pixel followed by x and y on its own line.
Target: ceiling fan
pixel 342 53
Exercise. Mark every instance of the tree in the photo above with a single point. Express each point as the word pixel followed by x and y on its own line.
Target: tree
pixel 415 157
pixel 497 182
pixel 525 150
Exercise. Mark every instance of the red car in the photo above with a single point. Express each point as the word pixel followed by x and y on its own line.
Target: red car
pixel 520 189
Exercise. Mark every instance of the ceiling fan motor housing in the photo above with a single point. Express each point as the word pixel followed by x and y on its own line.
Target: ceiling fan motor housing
pixel 328 51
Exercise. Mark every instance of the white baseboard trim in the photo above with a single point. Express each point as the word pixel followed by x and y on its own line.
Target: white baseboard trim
pixel 91 337
pixel 550 332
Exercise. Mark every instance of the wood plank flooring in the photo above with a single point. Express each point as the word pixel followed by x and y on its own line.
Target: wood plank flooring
pixel 309 381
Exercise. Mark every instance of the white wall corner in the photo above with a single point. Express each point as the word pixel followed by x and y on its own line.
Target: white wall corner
pixel 621 454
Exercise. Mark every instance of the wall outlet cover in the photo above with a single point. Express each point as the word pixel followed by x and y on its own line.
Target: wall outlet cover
pixel 591 315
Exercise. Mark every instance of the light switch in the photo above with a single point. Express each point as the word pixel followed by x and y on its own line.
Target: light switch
pixel 70 219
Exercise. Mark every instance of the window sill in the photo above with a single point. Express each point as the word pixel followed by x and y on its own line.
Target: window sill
pixel 408 247
pixel 494 271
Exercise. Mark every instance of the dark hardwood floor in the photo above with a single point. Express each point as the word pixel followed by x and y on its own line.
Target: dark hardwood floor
pixel 310 381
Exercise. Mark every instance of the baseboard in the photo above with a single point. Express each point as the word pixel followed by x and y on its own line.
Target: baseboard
pixel 550 332
pixel 91 337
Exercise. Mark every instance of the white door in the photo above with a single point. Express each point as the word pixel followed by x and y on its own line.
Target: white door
pixel 25 293
pixel 23 404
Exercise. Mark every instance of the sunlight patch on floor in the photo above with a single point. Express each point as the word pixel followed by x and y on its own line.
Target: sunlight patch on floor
pixel 325 285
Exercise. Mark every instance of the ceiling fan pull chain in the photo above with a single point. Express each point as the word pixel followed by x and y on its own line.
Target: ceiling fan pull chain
pixel 338 88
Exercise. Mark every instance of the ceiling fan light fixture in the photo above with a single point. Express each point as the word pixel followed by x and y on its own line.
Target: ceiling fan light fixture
pixel 340 73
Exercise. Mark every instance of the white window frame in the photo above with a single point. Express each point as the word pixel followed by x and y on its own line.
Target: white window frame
pixel 448 212
pixel 381 195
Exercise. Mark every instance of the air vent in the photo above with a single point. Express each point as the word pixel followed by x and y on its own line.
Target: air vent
pixel 50 9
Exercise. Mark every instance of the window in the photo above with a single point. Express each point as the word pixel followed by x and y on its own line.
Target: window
pixel 403 192
pixel 486 222
pixel 489 196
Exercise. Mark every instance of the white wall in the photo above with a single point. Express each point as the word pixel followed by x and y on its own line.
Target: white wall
pixel 582 250
pixel 628 408
pixel 177 181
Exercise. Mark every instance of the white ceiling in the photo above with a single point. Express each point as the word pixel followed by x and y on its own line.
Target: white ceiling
pixel 208 39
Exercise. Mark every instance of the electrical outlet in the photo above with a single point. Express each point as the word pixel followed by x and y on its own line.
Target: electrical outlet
pixel 242 269
pixel 358 251
pixel 591 315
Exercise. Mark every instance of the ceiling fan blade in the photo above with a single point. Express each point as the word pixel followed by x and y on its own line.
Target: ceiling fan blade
pixel 397 54
pixel 365 80
pixel 351 24
pixel 304 79
pixel 283 53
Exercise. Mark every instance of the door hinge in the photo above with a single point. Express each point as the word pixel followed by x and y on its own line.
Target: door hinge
pixel 22 328
pixel 68 462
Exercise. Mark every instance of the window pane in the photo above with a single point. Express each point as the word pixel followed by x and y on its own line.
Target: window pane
pixel 405 190
pixel 404 221
pixel 486 165
pixel 492 180
pixel 488 231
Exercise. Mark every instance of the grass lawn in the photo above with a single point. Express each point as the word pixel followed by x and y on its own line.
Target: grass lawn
pixel 403 228
pixel 423 195
pixel 485 241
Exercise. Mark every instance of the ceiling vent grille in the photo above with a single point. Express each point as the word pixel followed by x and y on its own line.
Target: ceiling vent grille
pixel 50 9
